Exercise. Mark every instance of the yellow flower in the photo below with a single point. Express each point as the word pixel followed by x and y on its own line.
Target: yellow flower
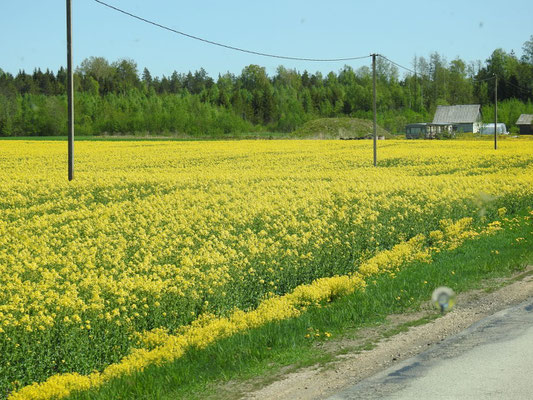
pixel 151 231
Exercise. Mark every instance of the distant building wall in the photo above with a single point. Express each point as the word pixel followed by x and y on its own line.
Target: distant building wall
pixel 526 129
pixel 460 128
pixel 469 127
pixel 525 123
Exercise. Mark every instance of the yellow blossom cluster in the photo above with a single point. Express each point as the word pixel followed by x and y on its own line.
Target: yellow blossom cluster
pixel 152 238
pixel 209 328
pixel 160 347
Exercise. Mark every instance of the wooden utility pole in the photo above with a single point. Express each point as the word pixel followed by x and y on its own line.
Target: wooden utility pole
pixel 374 107
pixel 70 95
pixel 495 112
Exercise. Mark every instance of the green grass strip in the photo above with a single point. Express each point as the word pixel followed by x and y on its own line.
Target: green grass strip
pixel 264 351
pixel 147 137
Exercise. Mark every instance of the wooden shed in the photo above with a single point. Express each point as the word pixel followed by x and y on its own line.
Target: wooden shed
pixel 525 123
pixel 463 118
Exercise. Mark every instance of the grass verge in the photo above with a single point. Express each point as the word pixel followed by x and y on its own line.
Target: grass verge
pixel 292 344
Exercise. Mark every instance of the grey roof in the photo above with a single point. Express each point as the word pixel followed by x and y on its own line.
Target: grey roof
pixel 525 119
pixel 463 114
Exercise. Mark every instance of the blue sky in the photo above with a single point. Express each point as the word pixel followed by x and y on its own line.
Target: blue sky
pixel 32 32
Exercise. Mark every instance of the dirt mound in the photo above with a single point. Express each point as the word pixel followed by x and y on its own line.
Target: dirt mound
pixel 339 128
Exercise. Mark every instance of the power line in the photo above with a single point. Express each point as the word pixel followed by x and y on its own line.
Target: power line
pixel 258 53
pixel 398 65
pixel 506 83
pixel 483 80
pixel 519 87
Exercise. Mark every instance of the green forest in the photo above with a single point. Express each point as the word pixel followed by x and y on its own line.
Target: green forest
pixel 117 98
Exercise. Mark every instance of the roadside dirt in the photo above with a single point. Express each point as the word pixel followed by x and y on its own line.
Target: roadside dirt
pixel 377 348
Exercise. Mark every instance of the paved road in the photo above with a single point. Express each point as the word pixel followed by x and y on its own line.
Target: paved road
pixel 493 359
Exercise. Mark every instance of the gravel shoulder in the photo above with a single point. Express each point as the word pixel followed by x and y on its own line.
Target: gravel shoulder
pixel 377 348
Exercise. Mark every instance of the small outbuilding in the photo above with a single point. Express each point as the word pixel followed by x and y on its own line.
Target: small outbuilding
pixel 525 123
pixel 424 130
pixel 416 131
pixel 463 118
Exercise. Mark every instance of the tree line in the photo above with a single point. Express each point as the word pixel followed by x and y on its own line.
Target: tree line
pixel 113 97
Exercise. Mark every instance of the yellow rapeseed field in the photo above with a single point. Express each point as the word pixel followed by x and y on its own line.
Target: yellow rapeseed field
pixel 158 244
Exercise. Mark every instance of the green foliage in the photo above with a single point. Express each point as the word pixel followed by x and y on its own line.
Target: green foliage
pixel 133 112
pixel 113 98
pixel 508 111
